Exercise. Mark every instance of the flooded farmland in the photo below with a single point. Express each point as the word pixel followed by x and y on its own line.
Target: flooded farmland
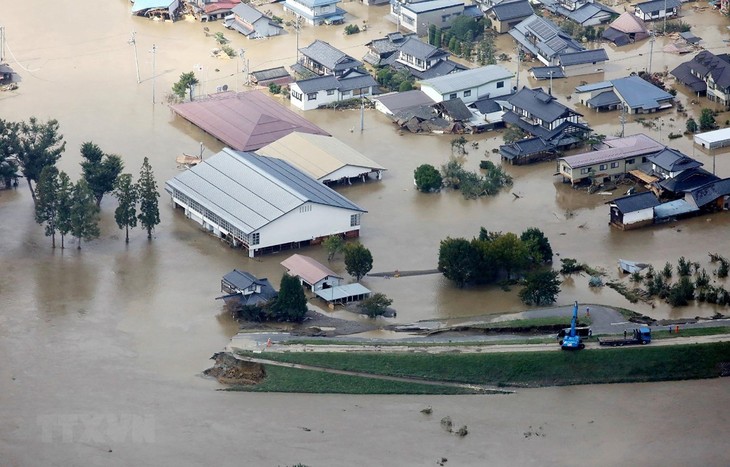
pixel 101 348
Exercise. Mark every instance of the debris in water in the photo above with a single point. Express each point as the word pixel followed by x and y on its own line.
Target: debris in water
pixel 447 424
pixel 305 428
pixel 462 431
pixel 428 410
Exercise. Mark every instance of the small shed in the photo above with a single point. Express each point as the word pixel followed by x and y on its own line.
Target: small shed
pixel 633 211
pixel 344 293
pixel 311 273
pixel 713 139
pixel 277 75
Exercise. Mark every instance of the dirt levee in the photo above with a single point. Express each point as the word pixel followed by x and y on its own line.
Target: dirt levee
pixel 229 370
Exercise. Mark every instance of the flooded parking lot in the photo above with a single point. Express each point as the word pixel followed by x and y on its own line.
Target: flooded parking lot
pixel 124 330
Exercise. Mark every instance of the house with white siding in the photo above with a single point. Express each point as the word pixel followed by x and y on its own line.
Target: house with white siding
pixel 312 93
pixel 417 16
pixel 261 204
pixel 250 22
pixel 657 9
pixel 315 12
pixel 469 85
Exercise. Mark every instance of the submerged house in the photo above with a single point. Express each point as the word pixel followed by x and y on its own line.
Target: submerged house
pixel 417 16
pixel 312 93
pixel 708 74
pixel 657 9
pixel 561 54
pixel 635 94
pixel 470 85
pixel 311 273
pixel 553 126
pixel 583 12
pixel 211 10
pixel 156 8
pixel 321 59
pixel 262 204
pixel 613 159
pixel 250 22
pixel 315 12
pixel 508 14
pixel 243 288
pixel 626 29
pixel 633 211
pixel 422 60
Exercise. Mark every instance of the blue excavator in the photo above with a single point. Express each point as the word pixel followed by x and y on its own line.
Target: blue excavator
pixel 572 340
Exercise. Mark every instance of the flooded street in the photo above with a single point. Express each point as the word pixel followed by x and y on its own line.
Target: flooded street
pixel 101 348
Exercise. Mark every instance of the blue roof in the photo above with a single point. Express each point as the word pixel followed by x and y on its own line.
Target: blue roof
pixel 673 208
pixel 656 5
pixel 594 86
pixel 638 93
pixel 603 99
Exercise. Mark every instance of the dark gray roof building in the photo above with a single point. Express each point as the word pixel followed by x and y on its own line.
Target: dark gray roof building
pixel 509 10
pixel 636 202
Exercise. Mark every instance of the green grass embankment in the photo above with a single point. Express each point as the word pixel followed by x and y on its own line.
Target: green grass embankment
pixel 530 369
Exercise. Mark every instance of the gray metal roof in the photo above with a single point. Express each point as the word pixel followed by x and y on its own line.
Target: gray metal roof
pixel 711 191
pixel 468 79
pixel 341 292
pixel 683 74
pixel 617 149
pixel 396 101
pixel 319 83
pixel 247 13
pixel 432 5
pixel 508 10
pixel 330 57
pixel 636 202
pixel 549 38
pixel 419 49
pixel 594 86
pixel 455 109
pixel 540 104
pixel 270 73
pixel 673 209
pixel 673 160
pixel 603 99
pixel 546 72
pixel 657 5
pixel 688 180
pixel 251 191
pixel 356 80
pixel 583 56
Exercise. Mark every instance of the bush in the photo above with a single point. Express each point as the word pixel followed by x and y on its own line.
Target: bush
pixel 375 305
pixel 427 178
pixel 352 29
pixel 274 88
pixel 569 266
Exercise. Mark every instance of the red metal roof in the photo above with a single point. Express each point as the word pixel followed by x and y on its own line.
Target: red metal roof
pixel 214 7
pixel 244 121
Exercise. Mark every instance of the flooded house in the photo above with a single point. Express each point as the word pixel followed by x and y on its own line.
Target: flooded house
pixel 657 9
pixel 632 93
pixel 250 22
pixel 261 204
pixel 417 16
pixel 583 12
pixel 211 10
pixel 325 158
pixel 165 9
pixel 552 126
pixel 395 102
pixel 626 29
pixel 706 74
pixel 243 288
pixel 315 12
pixel 311 273
pixel 469 85
pixel 506 15
pixel 422 60
pixel 544 40
pixel 313 93
pixel 633 211
pixel 613 159
pixel 322 59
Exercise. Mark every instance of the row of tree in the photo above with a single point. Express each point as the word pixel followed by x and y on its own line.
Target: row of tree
pixel 453 175
pixel 358 259
pixel 32 150
pixel 73 208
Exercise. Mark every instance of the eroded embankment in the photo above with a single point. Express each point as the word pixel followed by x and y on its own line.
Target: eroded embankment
pixel 230 370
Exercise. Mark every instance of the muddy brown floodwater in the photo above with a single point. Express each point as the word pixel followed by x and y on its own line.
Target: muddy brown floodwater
pixel 101 349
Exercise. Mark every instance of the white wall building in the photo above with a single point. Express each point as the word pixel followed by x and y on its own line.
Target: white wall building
pixel 260 203
pixel 470 85
pixel 418 16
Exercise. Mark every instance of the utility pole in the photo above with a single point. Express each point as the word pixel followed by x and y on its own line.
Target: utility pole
pixel 517 84
pixel 297 26
pixel 651 50
pixel 2 44
pixel 154 50
pixel 622 119
pixel 133 42
pixel 362 114
pixel 665 18
pixel 241 54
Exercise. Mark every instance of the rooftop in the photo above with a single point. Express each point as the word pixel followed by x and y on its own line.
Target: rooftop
pixel 244 121
pixel 636 202
pixel 309 269
pixel 468 79
pixel 432 5
pixel 638 93
pixel 619 148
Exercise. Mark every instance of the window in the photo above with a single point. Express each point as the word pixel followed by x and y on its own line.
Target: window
pixel 603 167
pixel 296 95
pixel 585 171
pixel 305 208
pixel 630 161
pixel 452 96
pixel 255 238
pixel 312 96
pixel 330 92
pixel 500 84
pixel 345 93
pixel 354 220
pixel 467 93
pixel 614 165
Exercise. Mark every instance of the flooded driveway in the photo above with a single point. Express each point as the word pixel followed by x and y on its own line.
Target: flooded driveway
pixel 101 348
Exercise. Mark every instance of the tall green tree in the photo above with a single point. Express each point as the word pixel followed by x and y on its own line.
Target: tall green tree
pixel 541 288
pixel 99 169
pixel 39 145
pixel 538 246
pixel 185 85
pixel 456 260
pixel 290 304
pixel 707 120
pixel 8 149
pixel 149 212
pixel 46 207
pixel 358 260
pixel 427 178
pixel 375 305
pixel 65 203
pixel 510 253
pixel 333 244
pixel 126 212
pixel 84 215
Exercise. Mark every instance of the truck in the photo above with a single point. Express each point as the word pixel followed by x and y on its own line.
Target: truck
pixel 640 336
pixel 572 341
